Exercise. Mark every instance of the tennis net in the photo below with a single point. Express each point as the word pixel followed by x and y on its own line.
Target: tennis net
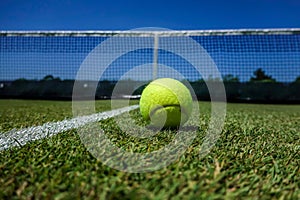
pixel 254 65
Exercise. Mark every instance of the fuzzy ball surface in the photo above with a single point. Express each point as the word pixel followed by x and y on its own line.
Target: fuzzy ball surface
pixel 166 102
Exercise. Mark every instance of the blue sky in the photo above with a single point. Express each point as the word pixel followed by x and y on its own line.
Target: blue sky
pixel 124 15
pixel 131 14
pixel 36 57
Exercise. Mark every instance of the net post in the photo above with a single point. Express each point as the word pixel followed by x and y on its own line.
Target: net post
pixel 155 56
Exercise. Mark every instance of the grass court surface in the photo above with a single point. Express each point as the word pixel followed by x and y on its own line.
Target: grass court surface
pixel 256 157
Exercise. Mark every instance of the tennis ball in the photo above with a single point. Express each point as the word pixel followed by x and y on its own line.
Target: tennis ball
pixel 166 102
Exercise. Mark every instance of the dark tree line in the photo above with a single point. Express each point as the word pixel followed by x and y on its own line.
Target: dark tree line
pixel 261 76
pixel 260 87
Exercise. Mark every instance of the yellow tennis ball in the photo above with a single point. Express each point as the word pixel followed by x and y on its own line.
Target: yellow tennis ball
pixel 166 102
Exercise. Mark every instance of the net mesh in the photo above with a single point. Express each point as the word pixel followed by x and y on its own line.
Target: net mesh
pixel 246 59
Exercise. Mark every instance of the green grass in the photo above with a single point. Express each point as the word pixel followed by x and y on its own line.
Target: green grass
pixel 16 114
pixel 256 157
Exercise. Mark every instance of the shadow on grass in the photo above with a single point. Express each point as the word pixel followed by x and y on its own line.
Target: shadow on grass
pixel 177 128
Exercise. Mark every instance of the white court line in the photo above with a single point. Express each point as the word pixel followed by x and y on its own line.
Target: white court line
pixel 21 137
